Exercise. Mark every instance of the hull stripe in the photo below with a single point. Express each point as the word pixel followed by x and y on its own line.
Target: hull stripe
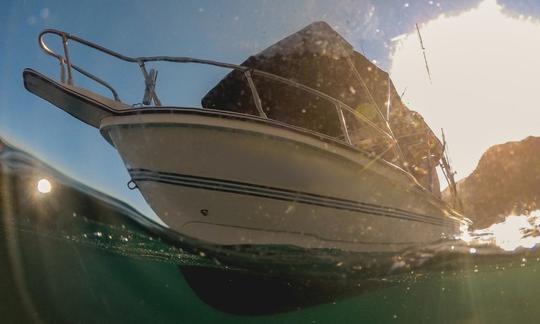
pixel 284 195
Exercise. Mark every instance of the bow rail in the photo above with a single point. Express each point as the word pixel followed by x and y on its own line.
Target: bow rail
pixel 150 77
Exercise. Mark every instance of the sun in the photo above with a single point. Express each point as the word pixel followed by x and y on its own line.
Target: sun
pixel 44 186
pixel 484 66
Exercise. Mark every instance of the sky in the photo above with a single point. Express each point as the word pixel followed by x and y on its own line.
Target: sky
pixel 484 66
pixel 482 55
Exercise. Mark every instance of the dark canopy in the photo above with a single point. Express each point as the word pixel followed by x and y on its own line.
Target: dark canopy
pixel 320 58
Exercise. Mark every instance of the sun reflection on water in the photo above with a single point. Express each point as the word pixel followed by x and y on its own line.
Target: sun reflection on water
pixel 516 231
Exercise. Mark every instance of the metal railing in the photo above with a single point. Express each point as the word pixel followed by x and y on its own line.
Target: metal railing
pixel 150 95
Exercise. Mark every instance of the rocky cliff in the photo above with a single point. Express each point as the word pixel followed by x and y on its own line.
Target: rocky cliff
pixel 506 181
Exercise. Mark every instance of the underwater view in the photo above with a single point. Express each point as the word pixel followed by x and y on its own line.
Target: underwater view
pixel 269 162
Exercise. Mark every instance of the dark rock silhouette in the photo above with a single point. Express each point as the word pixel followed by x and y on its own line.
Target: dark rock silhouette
pixel 506 181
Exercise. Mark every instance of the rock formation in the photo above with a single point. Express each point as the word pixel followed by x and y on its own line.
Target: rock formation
pixel 506 181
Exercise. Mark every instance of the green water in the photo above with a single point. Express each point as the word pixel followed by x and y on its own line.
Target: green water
pixel 92 272
pixel 75 257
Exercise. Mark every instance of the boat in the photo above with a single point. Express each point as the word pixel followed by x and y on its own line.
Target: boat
pixel 240 172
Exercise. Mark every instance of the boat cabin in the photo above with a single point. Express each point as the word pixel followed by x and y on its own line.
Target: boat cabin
pixel 318 57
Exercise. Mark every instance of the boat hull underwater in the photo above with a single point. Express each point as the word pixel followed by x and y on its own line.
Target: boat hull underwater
pixel 228 179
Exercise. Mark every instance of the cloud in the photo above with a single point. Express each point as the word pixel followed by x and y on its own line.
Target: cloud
pixel 484 66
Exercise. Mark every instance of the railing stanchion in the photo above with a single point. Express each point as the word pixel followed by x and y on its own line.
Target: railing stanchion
pixel 62 72
pixel 68 62
pixel 149 85
pixel 343 124
pixel 255 94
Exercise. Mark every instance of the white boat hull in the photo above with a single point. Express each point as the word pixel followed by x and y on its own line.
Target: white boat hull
pixel 228 182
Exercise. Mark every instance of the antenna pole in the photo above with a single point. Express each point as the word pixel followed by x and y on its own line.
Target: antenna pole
pixel 449 175
pixel 389 98
pixel 423 52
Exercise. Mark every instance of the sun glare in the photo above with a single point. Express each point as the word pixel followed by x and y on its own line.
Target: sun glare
pixel 484 66
pixel 514 232
pixel 44 186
